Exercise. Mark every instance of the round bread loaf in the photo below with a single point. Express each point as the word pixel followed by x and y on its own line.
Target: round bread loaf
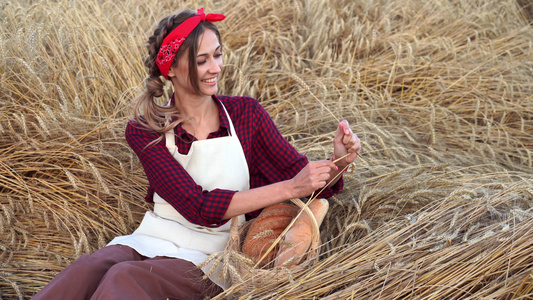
pixel 265 229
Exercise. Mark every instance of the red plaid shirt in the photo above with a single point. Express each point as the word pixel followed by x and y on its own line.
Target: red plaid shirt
pixel 269 155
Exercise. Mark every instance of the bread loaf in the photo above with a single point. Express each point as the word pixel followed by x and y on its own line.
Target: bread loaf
pixel 298 239
pixel 265 229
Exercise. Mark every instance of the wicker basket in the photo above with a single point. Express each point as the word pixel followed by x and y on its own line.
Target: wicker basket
pixel 237 268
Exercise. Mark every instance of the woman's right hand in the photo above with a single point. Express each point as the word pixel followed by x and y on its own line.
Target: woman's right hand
pixel 315 175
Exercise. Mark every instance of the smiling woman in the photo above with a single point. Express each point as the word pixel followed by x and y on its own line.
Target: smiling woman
pixel 208 158
pixel 190 96
pixel 209 64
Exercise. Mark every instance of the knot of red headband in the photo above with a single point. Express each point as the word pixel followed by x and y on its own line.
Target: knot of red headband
pixel 173 40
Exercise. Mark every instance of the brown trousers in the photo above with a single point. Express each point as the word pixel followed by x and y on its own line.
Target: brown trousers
pixel 119 272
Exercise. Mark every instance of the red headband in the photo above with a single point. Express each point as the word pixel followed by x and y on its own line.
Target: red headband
pixel 173 40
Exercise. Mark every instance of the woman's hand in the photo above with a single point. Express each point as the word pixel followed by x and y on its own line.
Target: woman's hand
pixel 315 175
pixel 345 142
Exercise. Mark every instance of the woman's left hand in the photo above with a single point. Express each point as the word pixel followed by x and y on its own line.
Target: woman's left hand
pixel 345 142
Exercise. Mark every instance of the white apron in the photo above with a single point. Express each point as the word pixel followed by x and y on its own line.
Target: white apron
pixel 212 163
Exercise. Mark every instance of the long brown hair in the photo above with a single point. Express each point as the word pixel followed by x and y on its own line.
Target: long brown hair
pixel 147 112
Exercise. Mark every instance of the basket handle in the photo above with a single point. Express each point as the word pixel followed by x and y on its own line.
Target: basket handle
pixel 315 238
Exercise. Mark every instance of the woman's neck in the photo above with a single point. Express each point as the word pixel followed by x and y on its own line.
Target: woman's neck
pixel 200 116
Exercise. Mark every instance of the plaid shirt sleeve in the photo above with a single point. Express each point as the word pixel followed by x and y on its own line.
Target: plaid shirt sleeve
pixel 270 157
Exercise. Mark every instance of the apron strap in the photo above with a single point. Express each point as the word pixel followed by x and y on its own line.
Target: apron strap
pixel 231 128
pixel 170 140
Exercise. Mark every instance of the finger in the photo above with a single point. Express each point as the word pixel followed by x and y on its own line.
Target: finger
pixel 354 151
pixel 339 134
pixel 325 163
pixel 343 129
pixel 352 157
pixel 320 184
pixel 357 148
pixel 349 141
pixel 345 126
pixel 358 145
pixel 327 167
pixel 324 177
pixel 323 166
pixel 350 138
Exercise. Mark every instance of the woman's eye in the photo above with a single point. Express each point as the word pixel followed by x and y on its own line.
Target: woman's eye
pixel 216 55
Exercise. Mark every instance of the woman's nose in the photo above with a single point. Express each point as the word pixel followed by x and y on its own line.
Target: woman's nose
pixel 214 67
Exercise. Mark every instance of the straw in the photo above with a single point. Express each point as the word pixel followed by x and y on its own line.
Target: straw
pixel 439 204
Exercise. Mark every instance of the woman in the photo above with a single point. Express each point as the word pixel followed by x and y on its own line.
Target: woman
pixel 208 158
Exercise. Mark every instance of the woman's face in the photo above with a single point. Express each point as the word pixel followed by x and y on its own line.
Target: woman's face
pixel 209 63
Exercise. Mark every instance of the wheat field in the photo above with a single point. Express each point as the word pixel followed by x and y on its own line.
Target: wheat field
pixel 439 205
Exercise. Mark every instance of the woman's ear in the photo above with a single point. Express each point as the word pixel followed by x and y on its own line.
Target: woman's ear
pixel 171 72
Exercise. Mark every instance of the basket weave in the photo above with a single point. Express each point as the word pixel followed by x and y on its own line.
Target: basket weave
pixel 237 267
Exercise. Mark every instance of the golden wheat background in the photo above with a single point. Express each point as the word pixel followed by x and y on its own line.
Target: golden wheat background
pixel 439 205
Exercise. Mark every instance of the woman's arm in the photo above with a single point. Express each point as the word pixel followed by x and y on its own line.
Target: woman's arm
pixel 273 158
pixel 172 182
pixel 314 176
pixel 278 171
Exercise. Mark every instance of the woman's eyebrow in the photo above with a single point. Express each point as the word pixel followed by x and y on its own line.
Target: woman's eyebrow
pixel 205 54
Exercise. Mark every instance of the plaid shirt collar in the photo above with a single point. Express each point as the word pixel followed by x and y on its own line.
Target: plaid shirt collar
pixel 223 119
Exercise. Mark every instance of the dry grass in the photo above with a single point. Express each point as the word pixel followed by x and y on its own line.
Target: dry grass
pixel 439 205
